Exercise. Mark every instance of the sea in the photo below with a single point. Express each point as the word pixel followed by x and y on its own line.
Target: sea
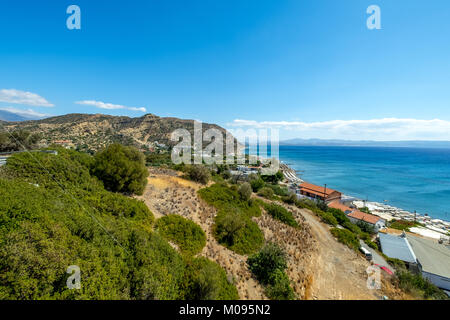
pixel 407 178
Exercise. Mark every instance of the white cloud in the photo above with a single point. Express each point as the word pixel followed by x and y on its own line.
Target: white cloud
pixel 373 129
pixel 29 113
pixel 23 97
pixel 108 106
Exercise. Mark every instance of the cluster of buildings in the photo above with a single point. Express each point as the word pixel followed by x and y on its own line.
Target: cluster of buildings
pixel 335 200
pixel 427 256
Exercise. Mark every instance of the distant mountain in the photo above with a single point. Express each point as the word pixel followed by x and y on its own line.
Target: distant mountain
pixel 9 116
pixel 95 131
pixel 366 143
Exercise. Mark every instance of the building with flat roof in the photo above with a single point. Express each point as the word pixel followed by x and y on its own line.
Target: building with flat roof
pixel 433 260
pixel 398 247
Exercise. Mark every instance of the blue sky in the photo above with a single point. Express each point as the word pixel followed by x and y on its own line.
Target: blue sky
pixel 310 68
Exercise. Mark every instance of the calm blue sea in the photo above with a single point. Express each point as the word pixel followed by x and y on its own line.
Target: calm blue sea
pixel 409 178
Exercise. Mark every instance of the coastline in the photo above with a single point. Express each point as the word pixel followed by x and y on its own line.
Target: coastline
pixel 433 228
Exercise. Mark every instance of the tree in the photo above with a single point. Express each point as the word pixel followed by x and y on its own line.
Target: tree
pixel 228 225
pixel 199 173
pixel 257 184
pixel 122 169
pixel 245 190
pixel 266 193
pixel 265 263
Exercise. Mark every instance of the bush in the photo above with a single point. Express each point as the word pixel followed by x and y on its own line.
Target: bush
pixel 199 173
pixel 122 169
pixel 266 262
pixel 269 267
pixel 403 225
pixel 327 218
pixel 18 140
pixel 416 284
pixel 48 226
pixel 290 199
pixel 346 237
pixel 278 190
pixel 365 227
pixel 257 184
pixel 206 280
pixel 266 193
pixel 280 287
pixel 280 213
pixel 340 216
pixel 245 190
pixel 186 234
pixel 237 232
pixel 221 196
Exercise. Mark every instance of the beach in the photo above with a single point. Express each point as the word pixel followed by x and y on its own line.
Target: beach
pixel 432 228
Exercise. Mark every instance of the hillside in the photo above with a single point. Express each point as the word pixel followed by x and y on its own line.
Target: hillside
pixel 95 131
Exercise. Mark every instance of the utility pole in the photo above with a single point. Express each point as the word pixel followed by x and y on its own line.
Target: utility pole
pixel 325 193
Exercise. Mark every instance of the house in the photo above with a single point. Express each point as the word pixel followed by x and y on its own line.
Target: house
pixel 398 247
pixel 64 143
pixel 340 206
pixel 316 192
pixel 433 259
pixel 375 221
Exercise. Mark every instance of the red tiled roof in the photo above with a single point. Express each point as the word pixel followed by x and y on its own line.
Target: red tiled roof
pixel 340 206
pixel 316 189
pixel 370 218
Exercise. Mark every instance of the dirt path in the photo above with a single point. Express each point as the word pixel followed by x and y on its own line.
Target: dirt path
pixel 338 271
pixel 319 267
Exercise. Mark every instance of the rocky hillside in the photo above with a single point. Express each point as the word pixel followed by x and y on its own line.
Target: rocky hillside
pixel 95 131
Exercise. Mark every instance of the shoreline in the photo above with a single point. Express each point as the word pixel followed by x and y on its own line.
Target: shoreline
pixel 434 228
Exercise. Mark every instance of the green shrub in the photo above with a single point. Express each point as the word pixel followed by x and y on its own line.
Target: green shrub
pixel 366 227
pixel 417 284
pixel 278 190
pixel 198 173
pixel 280 287
pixel 237 232
pixel 46 226
pixel 280 213
pixel 327 217
pixel 122 169
pixel 206 280
pixel 269 267
pixel 403 225
pixel 266 193
pixel 245 190
pixel 290 199
pixel 186 234
pixel 257 184
pixel 266 262
pixel 223 197
pixel 346 237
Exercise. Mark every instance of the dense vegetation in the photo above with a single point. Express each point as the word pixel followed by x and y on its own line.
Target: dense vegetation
pixel 54 214
pixel 186 234
pixel 233 226
pixel 18 140
pixel 346 237
pixel 206 280
pixel 269 267
pixel 403 224
pixel 121 168
pixel 280 213
pixel 198 173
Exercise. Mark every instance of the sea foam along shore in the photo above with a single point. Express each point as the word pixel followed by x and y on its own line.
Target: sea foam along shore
pixel 433 228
